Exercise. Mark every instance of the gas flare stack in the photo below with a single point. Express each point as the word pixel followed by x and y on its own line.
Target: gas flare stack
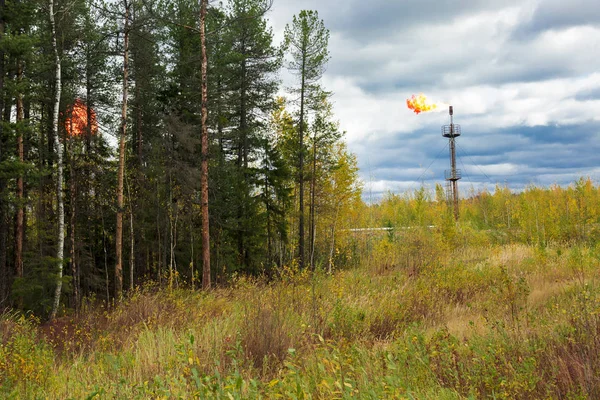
pixel 453 175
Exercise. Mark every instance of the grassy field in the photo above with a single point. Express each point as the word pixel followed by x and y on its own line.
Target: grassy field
pixel 415 320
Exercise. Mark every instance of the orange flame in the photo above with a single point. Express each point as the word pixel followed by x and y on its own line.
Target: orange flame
pixel 76 122
pixel 420 103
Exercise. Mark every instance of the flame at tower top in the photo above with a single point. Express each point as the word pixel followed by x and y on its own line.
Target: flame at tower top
pixel 420 103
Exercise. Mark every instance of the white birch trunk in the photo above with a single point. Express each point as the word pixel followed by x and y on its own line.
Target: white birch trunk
pixel 59 161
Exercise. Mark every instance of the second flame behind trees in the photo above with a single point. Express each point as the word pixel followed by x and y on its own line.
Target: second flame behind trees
pixel 76 121
pixel 79 122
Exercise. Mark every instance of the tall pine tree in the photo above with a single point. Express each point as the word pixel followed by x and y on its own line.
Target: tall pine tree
pixel 306 40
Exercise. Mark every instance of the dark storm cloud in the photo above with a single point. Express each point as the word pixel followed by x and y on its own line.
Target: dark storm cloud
pixel 518 156
pixel 491 59
pixel 560 14
pixel 384 45
pixel 588 94
pixel 374 19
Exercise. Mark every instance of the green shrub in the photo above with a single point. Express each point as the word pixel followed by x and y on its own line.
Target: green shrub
pixel 25 362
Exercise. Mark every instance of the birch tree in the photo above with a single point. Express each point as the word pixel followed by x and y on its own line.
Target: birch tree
pixel 59 162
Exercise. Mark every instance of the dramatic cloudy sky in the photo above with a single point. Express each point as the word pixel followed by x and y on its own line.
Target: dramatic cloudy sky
pixel 523 76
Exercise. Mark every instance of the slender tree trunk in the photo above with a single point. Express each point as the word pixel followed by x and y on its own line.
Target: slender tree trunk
pixel 242 162
pixel 59 163
pixel 6 111
pixel 132 247
pixel 301 167
pixel 88 108
pixel 41 201
pixel 72 193
pixel 19 233
pixel 313 187
pixel 88 197
pixel 159 239
pixel 121 173
pixel 221 161
pixel 331 249
pixel 5 276
pixel 174 246
pixel 131 239
pixel 192 257
pixel 268 209
pixel 138 114
pixel 139 235
pixel 204 172
pixel 171 247
pixel 105 261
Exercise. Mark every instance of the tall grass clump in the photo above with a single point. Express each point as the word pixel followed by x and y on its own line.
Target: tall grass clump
pixel 25 362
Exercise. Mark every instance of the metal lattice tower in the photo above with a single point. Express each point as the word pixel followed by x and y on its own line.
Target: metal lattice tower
pixel 453 175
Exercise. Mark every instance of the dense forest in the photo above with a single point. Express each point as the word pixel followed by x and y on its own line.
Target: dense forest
pixel 107 119
pixel 154 142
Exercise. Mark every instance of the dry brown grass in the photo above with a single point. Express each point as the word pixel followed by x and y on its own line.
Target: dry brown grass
pixel 464 323
pixel 506 306
pixel 7 327
pixel 510 255
pixel 542 290
pixel 266 337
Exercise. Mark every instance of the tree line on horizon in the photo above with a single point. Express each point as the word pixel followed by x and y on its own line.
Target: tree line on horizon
pixel 537 216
